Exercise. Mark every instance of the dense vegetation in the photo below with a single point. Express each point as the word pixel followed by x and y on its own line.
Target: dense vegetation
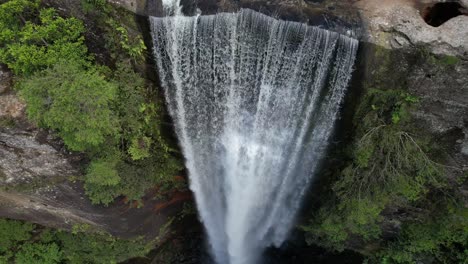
pixel 25 243
pixel 389 177
pixel 103 108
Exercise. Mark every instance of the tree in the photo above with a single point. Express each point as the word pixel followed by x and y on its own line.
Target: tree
pixel 39 254
pixel 103 172
pixel 32 39
pixel 13 232
pixel 74 101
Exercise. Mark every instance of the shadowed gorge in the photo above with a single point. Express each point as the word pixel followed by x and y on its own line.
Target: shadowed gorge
pixel 254 100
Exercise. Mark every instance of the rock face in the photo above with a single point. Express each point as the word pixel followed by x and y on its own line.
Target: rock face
pixel 389 23
pixel 440 84
pixel 440 79
pixel 24 160
pixel 337 15
pixel 444 108
pixel 400 24
pixel 40 184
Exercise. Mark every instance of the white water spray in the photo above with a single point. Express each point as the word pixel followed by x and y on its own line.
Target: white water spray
pixel 254 101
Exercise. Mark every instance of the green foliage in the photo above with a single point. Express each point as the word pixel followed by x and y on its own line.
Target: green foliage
pixel 135 48
pixel 110 114
pixel 38 254
pixel 327 230
pixel 49 246
pixel 442 238
pixel 146 159
pixel 80 228
pixel 139 149
pixel 120 41
pixel 136 177
pixel 101 194
pixel 103 172
pixel 32 39
pixel 94 5
pixel 441 61
pixel 99 248
pixel 74 101
pixel 388 161
pixel 383 107
pixel 13 15
pixel 12 233
pixel 388 165
pixel 449 60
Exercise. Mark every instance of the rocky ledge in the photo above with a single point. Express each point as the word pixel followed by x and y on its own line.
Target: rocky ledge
pixel 441 26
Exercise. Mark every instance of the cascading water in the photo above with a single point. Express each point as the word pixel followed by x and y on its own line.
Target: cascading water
pixel 254 101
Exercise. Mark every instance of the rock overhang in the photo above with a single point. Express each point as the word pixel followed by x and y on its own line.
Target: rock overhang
pixel 392 24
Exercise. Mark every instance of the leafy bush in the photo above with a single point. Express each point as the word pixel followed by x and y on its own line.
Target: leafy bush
pixel 39 254
pixel 74 101
pixel 136 177
pixel 122 44
pixel 103 172
pixel 33 39
pixel 110 114
pixel 439 238
pixel 139 148
pixel 388 165
pixel 94 5
pixel 92 248
pixel 49 246
pixel 12 233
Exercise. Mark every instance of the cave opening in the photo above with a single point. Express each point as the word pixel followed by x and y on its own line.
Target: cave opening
pixel 440 13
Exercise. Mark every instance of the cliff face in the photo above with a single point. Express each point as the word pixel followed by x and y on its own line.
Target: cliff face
pixel 430 60
pixel 40 183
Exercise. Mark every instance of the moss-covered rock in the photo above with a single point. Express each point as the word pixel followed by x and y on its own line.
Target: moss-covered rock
pixel 401 160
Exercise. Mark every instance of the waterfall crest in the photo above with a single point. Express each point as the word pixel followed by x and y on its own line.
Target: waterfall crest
pixel 254 101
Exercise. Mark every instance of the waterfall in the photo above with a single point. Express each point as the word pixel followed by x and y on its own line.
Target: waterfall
pixel 254 100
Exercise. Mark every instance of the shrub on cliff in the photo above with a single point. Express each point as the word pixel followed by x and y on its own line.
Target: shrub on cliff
pixel 74 101
pixel 12 233
pixel 32 39
pixel 388 166
pixel 38 254
pixel 109 113
pixel 25 243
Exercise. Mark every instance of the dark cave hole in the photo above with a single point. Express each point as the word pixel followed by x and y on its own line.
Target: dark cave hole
pixel 440 13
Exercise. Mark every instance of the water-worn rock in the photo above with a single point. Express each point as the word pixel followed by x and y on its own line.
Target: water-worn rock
pixel 24 160
pixel 399 24
pixel 389 23
pixel 64 205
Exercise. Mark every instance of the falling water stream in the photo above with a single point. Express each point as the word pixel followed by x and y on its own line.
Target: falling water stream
pixel 254 100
